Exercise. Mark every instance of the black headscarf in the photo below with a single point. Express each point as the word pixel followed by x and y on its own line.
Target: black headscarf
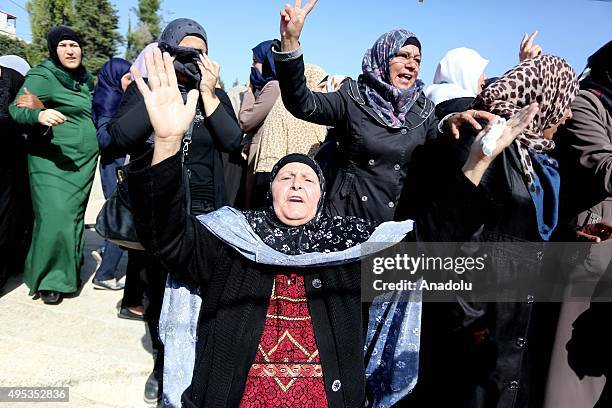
pixel 321 234
pixel 186 61
pixel 54 37
pixel 599 78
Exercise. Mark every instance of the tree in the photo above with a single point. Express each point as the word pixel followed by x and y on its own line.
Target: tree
pixel 97 25
pixel 96 22
pixel 45 14
pixel 13 46
pixel 147 30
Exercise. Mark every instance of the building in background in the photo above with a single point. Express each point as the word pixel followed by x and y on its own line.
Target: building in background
pixel 8 24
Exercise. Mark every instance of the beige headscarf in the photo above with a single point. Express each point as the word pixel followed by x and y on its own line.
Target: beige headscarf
pixel 282 133
pixel 545 79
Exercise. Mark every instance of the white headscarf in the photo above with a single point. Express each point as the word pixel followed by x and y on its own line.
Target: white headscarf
pixel 15 62
pixel 457 75
pixel 139 62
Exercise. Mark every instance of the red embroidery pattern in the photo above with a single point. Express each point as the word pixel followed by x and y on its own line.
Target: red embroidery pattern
pixel 286 371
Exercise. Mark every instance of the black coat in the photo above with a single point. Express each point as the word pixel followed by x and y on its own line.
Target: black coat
pixel 235 291
pixel 484 354
pixel 131 131
pixel 15 207
pixel 373 159
pixel 452 106
pixel 10 82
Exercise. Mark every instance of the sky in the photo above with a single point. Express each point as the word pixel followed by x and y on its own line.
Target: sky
pixel 338 32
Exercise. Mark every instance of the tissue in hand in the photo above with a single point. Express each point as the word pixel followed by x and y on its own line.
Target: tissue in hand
pixel 489 140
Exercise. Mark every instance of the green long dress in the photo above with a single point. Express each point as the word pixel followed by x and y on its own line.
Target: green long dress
pixel 61 174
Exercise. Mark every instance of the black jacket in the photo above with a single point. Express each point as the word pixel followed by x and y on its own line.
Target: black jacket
pixel 373 159
pixel 131 130
pixel 485 354
pixel 452 106
pixel 10 82
pixel 13 143
pixel 235 291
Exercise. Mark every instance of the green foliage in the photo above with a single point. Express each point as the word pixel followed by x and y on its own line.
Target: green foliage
pixel 45 14
pixel 12 46
pixel 97 25
pixel 96 22
pixel 147 30
pixel 148 14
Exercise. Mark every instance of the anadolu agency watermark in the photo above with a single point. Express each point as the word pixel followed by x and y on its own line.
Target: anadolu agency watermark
pixel 481 271
pixel 406 264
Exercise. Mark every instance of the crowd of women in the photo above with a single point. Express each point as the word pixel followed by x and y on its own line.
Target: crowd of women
pixel 255 209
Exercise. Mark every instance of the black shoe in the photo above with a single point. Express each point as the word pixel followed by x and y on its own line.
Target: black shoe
pixel 151 391
pixel 125 313
pixel 50 297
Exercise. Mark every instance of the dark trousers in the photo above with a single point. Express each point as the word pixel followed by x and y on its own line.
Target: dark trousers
pixel 134 284
pixel 110 262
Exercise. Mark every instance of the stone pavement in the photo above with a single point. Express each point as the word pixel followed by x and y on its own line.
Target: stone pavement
pixel 79 343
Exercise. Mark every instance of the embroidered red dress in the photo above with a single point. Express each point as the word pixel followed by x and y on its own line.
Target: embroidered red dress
pixel 286 371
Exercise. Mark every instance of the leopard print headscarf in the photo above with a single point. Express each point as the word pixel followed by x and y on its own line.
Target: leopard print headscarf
pixel 547 80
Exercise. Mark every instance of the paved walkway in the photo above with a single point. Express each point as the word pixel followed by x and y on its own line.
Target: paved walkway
pixel 79 343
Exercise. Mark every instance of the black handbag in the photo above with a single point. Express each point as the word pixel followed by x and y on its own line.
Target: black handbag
pixel 115 221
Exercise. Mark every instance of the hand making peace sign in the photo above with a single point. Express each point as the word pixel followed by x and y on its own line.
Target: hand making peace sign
pixel 292 22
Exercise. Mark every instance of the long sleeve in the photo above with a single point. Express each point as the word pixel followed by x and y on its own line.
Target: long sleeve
pixel 130 127
pixel 104 139
pixel 38 84
pixel 456 214
pixel 178 240
pixel 591 141
pixel 223 125
pixel 322 108
pixel 253 111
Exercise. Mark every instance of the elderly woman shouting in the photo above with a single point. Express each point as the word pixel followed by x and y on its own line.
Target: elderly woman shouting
pixel 279 284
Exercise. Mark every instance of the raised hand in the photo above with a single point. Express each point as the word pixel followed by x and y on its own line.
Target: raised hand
pixel 168 114
pixel 468 117
pixel 477 162
pixel 527 49
pixel 292 22
pixel 210 74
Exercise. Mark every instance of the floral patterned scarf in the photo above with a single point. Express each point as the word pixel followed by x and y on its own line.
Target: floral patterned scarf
pixel 390 103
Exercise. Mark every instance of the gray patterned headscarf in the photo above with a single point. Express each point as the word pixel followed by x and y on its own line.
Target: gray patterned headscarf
pixel 390 103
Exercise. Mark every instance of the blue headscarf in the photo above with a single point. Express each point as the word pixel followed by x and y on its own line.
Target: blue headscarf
pixel 263 53
pixel 108 92
pixel 390 103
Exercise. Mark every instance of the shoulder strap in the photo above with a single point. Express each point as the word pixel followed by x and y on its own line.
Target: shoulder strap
pixel 186 143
